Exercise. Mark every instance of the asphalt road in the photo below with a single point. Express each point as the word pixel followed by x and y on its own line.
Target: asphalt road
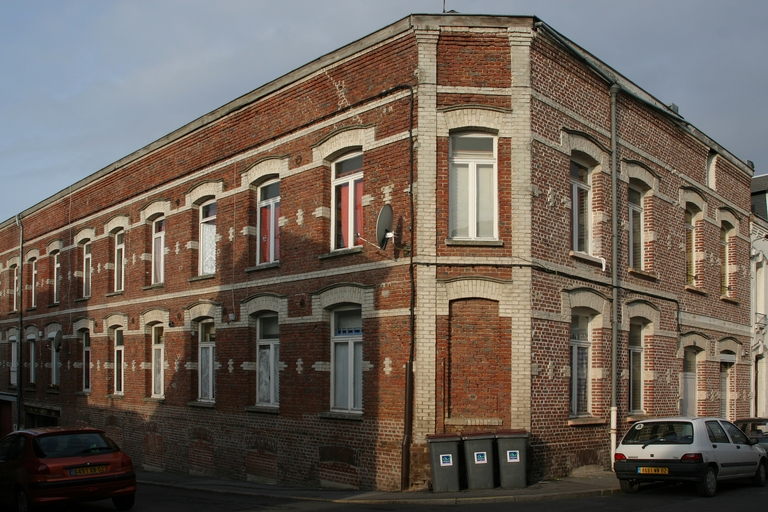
pixel 731 496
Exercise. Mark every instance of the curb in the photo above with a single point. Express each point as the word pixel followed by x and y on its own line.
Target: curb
pixel 517 498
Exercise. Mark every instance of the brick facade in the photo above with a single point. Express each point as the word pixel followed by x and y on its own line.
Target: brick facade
pixel 492 315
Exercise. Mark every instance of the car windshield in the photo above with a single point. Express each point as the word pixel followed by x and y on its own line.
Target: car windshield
pixel 73 444
pixel 661 432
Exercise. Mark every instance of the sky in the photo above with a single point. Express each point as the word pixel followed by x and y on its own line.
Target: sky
pixel 84 83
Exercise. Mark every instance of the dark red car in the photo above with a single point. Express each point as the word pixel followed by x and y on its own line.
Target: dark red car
pixel 64 465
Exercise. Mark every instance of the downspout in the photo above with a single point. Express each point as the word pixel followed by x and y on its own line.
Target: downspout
pixel 19 337
pixel 614 266
pixel 405 466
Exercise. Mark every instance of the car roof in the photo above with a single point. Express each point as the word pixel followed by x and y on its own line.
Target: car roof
pixel 43 431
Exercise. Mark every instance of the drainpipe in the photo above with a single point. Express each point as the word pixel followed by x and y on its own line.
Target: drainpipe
pixel 19 337
pixel 405 466
pixel 614 266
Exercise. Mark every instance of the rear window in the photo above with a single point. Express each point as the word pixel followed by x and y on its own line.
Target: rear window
pixel 74 444
pixel 672 432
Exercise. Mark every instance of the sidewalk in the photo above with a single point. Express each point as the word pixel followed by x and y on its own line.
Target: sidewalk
pixel 596 484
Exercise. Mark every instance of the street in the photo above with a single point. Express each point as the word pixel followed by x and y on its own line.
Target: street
pixel 731 496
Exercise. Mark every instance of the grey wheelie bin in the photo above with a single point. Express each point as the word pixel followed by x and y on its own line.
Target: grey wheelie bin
pixel 513 458
pixel 444 459
pixel 479 459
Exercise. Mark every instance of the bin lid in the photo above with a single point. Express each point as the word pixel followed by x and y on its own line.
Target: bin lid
pixel 436 438
pixel 477 435
pixel 513 432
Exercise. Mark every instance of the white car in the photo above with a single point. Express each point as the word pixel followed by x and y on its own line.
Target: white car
pixel 700 450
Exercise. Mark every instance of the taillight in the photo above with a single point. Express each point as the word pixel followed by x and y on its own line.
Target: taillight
pixel 692 457
pixel 619 456
pixel 126 462
pixel 36 468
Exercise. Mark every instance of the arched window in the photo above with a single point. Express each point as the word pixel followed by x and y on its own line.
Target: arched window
pixel 87 268
pixel 208 238
pixel 472 194
pixel 347 360
pixel 269 213
pixel 85 336
pixel 726 231
pixel 119 261
pixel 268 361
pixel 581 206
pixel 158 362
pixel 158 250
pixel 347 210
pixel 636 327
pixel 206 360
pixel 581 342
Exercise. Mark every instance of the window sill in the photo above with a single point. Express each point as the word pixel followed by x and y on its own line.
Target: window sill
pixel 156 286
pixel 588 258
pixel 54 305
pixel 83 393
pixel 696 290
pixel 82 299
pixel 201 278
pixel 114 294
pixel 263 266
pixel 729 300
pixel 474 243
pixel 338 415
pixel 586 422
pixel 30 309
pixel 632 418
pixel 643 273
pixel 154 399
pixel 268 409
pixel 202 405
pixel 116 396
pixel 342 252
pixel 53 390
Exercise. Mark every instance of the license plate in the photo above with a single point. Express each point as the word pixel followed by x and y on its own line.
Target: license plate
pixel 653 471
pixel 89 470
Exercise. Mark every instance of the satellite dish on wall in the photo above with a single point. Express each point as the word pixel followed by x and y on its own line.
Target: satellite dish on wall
pixel 384 226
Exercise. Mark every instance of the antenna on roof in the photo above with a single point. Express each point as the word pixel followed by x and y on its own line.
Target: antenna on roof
pixel 443 6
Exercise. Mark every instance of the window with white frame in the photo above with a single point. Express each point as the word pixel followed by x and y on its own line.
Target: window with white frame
pixel 580 207
pixel 120 261
pixel 206 361
pixel 15 296
pixel 472 189
pixel 635 367
pixel 158 251
pixel 726 230
pixel 55 370
pixel 347 211
pixel 119 362
pixel 31 341
pixel 158 362
pixel 268 361
pixel 14 361
pixel 269 213
pixel 347 360
pixel 87 269
pixel 580 346
pixel 208 238
pixel 86 338
pixel 635 228
pixel 690 246
pixel 33 291
pixel 727 360
pixel 56 276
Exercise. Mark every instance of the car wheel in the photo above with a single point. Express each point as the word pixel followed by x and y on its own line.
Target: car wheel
pixel 124 502
pixel 629 486
pixel 22 502
pixel 760 475
pixel 707 486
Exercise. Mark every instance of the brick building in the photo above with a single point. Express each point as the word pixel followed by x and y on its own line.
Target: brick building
pixel 208 301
